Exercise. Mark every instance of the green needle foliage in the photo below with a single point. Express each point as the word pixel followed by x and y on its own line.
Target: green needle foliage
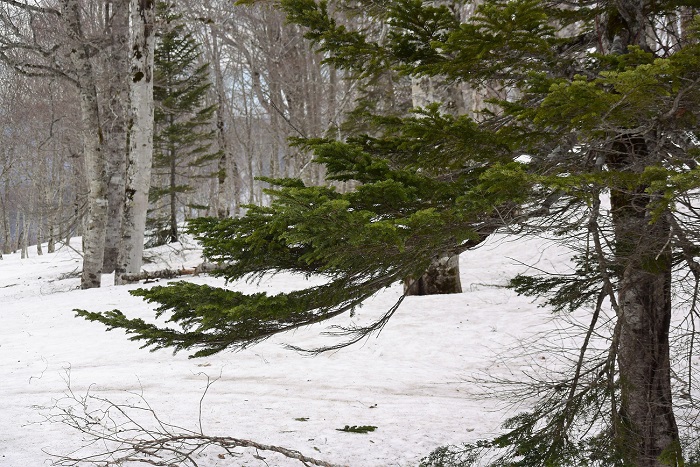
pixel 592 138
pixel 357 429
pixel 184 134
pixel 359 245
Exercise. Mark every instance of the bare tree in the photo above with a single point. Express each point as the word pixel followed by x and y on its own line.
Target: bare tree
pixel 114 67
pixel 95 164
pixel 42 41
pixel 138 172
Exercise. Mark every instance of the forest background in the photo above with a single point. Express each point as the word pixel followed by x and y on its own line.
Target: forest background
pixel 447 124
pixel 258 83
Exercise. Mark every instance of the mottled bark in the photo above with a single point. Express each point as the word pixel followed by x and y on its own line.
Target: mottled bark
pixel 647 426
pixel 221 200
pixel 16 241
pixel 95 167
pixel 116 70
pixel 39 238
pixel 23 244
pixel 442 277
pixel 7 238
pixel 51 245
pixel 138 175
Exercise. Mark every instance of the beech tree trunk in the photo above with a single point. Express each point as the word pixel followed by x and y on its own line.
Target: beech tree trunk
pixel 6 236
pixel 116 68
pixel 442 277
pixel 221 200
pixel 23 243
pixel 138 174
pixel 95 167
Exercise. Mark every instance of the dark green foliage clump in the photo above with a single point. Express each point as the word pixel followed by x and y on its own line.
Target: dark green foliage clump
pixel 360 242
pixel 453 456
pixel 564 291
pixel 214 319
pixel 357 429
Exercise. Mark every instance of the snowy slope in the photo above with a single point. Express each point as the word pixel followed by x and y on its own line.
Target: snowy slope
pixel 412 382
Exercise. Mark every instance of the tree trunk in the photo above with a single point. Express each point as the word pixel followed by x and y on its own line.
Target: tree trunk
pixel 221 199
pixel 51 245
pixel 16 240
pixel 39 238
pixel 116 70
pixel 173 193
pixel 138 176
pixel 7 237
pixel 646 428
pixel 441 277
pixel 94 233
pixel 23 234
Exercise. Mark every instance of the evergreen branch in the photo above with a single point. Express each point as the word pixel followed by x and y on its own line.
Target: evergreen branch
pixel 215 319
pixel 357 333
pixel 569 409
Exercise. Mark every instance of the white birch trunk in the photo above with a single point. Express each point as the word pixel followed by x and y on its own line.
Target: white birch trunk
pixel 138 173
pixel 95 167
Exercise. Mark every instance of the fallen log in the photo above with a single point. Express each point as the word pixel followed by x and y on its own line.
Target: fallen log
pixel 150 276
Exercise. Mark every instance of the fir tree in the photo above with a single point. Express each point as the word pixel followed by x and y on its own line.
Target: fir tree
pixel 184 130
pixel 602 103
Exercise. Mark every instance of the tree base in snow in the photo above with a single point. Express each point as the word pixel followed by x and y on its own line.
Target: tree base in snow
pixel 442 277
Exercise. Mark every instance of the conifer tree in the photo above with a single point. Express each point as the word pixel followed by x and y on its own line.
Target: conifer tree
pixel 184 130
pixel 595 142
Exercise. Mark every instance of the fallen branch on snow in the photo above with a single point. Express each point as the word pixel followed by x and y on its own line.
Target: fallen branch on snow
pixel 116 433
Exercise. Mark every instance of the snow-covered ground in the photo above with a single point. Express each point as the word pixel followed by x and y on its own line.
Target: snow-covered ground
pixel 413 382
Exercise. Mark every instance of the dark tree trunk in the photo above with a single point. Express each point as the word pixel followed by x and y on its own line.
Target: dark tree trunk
pixel 646 427
pixel 173 194
pixel 441 277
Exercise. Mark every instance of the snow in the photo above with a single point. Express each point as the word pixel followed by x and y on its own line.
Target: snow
pixel 414 382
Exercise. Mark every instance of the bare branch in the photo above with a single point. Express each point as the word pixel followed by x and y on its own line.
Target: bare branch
pixel 116 433
pixel 33 8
